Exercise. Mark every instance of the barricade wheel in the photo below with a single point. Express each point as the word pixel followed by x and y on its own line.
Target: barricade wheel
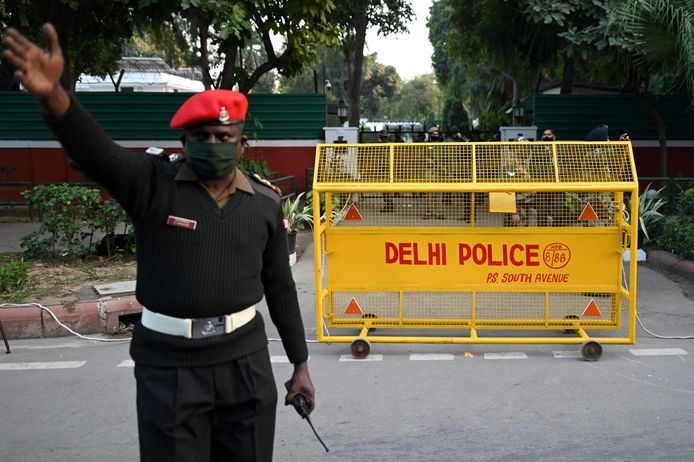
pixel 571 331
pixel 591 350
pixel 360 348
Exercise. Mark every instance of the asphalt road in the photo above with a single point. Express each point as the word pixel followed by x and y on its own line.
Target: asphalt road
pixel 405 403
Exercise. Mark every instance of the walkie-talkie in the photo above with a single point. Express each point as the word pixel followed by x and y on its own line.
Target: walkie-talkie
pixel 300 403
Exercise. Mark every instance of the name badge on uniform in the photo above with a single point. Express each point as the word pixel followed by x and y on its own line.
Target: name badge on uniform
pixel 181 222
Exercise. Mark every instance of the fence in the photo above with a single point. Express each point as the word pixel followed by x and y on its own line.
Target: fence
pixel 470 237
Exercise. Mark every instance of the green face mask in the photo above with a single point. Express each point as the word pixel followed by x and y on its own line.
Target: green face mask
pixel 211 160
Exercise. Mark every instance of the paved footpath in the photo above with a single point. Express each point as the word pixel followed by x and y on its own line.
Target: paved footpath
pixel 11 234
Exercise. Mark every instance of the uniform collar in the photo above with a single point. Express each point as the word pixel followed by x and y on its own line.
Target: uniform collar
pixel 240 181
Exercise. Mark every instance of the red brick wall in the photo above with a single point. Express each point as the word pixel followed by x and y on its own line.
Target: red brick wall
pixel 49 165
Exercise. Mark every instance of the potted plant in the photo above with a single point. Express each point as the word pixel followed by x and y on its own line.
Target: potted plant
pixel 295 213
pixel 649 212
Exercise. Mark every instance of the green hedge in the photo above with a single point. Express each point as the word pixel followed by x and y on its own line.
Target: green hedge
pixel 676 232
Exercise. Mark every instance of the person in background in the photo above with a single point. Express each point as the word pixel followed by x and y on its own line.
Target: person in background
pixel 595 166
pixel 601 133
pixel 397 136
pixel 548 135
pixel 434 135
pixel 210 244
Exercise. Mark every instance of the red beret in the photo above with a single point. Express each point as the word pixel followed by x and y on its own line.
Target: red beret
pixel 221 107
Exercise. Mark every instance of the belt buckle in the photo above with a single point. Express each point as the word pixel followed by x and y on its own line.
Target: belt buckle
pixel 207 327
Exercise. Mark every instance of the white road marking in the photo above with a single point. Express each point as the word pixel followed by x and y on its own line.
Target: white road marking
pixel 41 365
pixel 566 354
pixel 368 358
pixel 53 346
pixel 657 351
pixel 431 357
pixel 512 355
pixel 127 363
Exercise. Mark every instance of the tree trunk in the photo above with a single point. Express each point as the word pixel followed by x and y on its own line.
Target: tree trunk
pixel 567 75
pixel 204 57
pixel 228 77
pixel 7 82
pixel 62 16
pixel 662 131
pixel 355 76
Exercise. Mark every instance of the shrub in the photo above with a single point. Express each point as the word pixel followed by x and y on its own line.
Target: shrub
pixel 105 218
pixel 676 232
pixel 251 165
pixel 71 214
pixel 64 209
pixel 685 203
pixel 677 236
pixel 13 274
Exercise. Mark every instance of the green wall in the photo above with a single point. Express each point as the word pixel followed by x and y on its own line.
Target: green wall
pixel 573 116
pixel 145 116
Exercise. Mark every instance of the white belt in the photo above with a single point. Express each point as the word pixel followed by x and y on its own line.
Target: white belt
pixel 197 327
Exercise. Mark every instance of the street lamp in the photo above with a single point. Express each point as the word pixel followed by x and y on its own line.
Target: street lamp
pixel 518 112
pixel 342 110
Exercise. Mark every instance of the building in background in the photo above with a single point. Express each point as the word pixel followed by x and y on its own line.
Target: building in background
pixel 144 75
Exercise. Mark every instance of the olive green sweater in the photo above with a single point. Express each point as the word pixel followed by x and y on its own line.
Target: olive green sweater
pixel 234 256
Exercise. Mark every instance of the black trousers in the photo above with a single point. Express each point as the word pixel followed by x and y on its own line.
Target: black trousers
pixel 224 412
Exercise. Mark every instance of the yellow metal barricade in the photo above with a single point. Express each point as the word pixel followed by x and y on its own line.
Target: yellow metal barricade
pixel 471 237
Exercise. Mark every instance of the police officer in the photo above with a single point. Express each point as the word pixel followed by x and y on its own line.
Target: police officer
pixel 210 244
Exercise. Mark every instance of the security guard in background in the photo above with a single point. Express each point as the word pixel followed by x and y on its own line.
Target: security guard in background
pixel 210 244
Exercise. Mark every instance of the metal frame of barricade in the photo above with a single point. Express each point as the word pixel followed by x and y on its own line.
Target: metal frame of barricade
pixel 378 261
pixel 4 338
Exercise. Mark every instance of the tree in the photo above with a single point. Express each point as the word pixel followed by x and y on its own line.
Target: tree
pixel 657 37
pixel 380 84
pixel 648 37
pixel 226 28
pixel 485 56
pixel 168 40
pixel 92 33
pixel 380 88
pixel 329 65
pixel 419 100
pixel 354 17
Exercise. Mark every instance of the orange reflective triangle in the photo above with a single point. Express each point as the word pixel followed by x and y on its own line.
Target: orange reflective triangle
pixel 592 309
pixel 353 213
pixel 353 307
pixel 588 213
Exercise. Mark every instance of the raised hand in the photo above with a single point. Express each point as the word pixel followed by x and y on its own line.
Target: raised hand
pixel 38 70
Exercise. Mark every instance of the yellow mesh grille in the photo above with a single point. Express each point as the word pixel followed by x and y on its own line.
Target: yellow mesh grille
pixel 465 163
pixel 466 209
pixel 491 309
pixel 593 162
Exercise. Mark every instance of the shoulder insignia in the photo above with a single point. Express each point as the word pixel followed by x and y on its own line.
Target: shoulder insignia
pixel 264 187
pixel 265 182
